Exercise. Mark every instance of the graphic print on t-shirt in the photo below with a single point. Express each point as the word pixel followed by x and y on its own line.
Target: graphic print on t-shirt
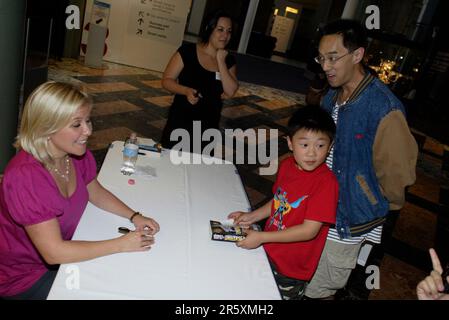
pixel 282 207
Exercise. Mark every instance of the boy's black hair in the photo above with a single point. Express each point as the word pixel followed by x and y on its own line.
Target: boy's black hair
pixel 211 24
pixel 353 33
pixel 312 118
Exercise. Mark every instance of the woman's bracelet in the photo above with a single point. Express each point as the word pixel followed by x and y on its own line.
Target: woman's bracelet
pixel 137 213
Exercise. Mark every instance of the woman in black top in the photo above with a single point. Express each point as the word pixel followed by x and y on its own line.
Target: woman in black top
pixel 200 75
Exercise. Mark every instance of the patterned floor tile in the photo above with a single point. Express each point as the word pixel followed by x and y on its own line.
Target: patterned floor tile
pixel 426 187
pixel 398 280
pixel 109 87
pixel 113 107
pixel 76 67
pixel 238 111
pixel 275 104
pixel 283 122
pixel 153 83
pixel 268 93
pixel 416 227
pixel 434 146
pixel 160 124
pixel 101 139
pixel 239 94
pixel 255 197
pixel 162 101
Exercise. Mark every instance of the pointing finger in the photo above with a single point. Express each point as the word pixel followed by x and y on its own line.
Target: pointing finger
pixel 435 261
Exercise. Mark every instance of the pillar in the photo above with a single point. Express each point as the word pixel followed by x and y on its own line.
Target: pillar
pixel 12 21
pixel 248 26
pixel 350 9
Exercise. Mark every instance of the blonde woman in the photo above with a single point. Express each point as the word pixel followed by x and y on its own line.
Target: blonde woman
pixel 45 190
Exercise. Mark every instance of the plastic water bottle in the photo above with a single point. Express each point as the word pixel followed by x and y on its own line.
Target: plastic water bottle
pixel 130 152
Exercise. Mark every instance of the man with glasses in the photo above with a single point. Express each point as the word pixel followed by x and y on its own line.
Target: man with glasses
pixel 374 155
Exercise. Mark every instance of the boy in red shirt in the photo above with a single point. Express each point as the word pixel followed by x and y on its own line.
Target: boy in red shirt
pixel 303 207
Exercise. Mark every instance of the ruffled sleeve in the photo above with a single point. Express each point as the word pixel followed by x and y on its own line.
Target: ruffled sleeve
pixel 31 194
pixel 87 167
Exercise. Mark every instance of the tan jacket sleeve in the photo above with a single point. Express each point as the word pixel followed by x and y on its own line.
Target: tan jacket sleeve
pixel 395 152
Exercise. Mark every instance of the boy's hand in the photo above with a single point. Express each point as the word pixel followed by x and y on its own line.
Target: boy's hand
pixel 253 240
pixel 242 219
pixel 235 215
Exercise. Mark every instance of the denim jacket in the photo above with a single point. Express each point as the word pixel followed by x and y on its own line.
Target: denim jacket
pixel 361 204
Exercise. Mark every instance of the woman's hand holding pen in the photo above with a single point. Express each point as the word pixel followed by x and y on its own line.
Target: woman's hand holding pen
pixel 139 240
pixel 192 95
pixel 141 223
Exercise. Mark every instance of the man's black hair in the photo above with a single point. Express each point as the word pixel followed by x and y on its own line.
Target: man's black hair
pixel 211 24
pixel 312 118
pixel 353 33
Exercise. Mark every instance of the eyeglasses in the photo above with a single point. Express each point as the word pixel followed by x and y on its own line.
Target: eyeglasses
pixel 332 59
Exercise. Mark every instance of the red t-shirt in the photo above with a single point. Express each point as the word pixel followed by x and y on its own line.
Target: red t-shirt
pixel 300 195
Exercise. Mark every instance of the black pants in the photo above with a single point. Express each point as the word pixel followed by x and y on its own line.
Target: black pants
pixel 39 290
pixel 355 288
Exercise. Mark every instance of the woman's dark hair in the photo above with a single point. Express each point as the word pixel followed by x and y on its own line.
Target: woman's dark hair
pixel 312 118
pixel 353 33
pixel 211 24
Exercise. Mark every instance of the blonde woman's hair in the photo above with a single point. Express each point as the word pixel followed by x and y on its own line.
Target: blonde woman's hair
pixel 48 109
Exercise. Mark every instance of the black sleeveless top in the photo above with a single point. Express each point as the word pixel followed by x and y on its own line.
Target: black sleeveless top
pixel 208 109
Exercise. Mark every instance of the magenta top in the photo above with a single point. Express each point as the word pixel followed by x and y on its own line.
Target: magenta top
pixel 29 195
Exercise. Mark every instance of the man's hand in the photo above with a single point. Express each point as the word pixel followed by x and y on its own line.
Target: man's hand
pixel 431 288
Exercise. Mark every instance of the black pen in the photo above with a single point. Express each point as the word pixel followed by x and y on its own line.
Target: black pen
pixel 141 153
pixel 155 148
pixel 123 230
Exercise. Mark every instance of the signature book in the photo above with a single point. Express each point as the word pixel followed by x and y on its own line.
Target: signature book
pixel 228 232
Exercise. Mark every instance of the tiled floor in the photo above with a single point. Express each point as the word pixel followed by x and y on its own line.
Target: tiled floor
pixel 131 99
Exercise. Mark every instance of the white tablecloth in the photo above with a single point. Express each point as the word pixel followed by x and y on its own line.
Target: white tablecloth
pixel 184 263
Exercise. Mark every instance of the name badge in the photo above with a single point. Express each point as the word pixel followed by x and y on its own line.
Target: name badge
pixel 217 76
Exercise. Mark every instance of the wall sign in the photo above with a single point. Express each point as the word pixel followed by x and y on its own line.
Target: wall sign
pixel 142 33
